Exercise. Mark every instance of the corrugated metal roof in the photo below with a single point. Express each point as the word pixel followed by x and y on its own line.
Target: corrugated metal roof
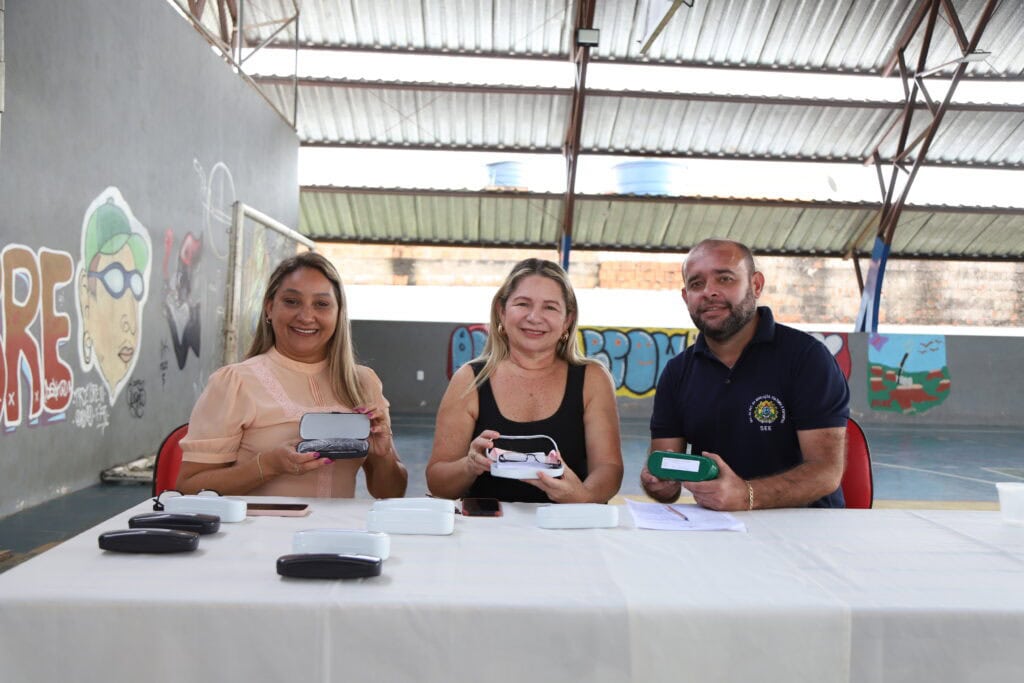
pixel 841 37
pixel 538 27
pixel 650 223
pixel 848 37
pixel 385 116
pixel 761 128
pixel 430 217
pixel 684 125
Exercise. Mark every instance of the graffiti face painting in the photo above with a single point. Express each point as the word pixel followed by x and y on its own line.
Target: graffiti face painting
pixel 112 284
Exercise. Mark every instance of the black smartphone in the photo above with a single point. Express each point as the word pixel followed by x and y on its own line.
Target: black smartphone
pixel 481 507
pixel 277 509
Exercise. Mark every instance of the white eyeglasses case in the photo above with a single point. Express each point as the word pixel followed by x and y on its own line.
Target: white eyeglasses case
pixel 431 504
pixel 228 509
pixel 342 542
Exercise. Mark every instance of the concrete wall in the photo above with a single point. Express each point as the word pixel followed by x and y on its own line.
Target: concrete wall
pixel 986 294
pixel 918 379
pixel 117 116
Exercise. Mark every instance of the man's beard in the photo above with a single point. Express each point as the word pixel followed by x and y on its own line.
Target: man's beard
pixel 739 315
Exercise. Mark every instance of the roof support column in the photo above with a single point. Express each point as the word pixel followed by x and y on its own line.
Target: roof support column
pixel 571 145
pixel 892 206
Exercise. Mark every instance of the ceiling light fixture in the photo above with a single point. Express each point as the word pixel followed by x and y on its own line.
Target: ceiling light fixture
pixel 969 58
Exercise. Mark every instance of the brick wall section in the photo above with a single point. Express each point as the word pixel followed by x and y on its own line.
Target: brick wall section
pixel 799 289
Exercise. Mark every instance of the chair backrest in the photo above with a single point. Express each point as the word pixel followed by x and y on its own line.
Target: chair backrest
pixel 168 461
pixel 858 484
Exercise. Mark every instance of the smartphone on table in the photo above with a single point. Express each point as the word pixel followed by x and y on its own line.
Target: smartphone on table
pixel 481 507
pixel 277 509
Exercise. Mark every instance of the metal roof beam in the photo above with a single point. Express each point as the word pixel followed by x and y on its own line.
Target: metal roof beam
pixel 681 249
pixel 361 84
pixel 892 207
pixel 638 153
pixel 571 148
pixel 597 59
pixel 628 94
pixel 891 218
pixel 913 23
pixel 650 199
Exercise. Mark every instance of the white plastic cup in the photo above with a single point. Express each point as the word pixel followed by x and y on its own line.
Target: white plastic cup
pixel 1011 501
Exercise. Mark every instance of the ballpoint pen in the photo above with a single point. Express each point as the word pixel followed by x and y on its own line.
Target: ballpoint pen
pixel 677 512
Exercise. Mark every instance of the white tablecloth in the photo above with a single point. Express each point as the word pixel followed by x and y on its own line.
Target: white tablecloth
pixel 803 595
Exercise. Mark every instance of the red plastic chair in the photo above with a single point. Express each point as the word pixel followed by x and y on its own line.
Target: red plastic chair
pixel 858 484
pixel 168 461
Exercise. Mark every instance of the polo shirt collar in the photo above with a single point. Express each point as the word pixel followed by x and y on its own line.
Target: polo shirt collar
pixel 765 332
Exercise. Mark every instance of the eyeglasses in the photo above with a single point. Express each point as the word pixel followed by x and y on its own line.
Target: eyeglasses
pixel 515 456
pixel 535 449
pixel 116 280
pixel 158 502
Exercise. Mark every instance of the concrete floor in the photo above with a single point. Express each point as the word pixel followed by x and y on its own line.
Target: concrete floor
pixel 913 467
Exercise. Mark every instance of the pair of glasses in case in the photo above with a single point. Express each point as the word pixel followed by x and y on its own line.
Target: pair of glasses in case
pixel 522 457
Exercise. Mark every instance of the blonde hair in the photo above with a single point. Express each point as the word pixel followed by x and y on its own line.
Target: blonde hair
pixel 341 358
pixel 496 348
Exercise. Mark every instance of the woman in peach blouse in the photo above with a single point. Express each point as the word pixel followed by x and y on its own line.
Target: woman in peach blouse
pixel 244 429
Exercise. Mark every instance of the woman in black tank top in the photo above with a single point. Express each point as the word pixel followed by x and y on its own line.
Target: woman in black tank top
pixel 531 379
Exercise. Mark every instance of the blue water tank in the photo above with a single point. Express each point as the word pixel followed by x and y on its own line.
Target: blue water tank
pixel 647 177
pixel 506 174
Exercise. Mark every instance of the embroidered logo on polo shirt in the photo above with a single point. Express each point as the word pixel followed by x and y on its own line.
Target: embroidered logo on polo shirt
pixel 766 411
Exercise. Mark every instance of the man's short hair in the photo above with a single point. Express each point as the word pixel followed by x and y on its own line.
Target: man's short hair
pixel 714 243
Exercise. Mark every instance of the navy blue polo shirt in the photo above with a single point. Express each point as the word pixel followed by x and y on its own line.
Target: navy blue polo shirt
pixel 785 380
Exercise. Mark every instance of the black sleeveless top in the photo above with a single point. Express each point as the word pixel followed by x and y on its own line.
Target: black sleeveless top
pixel 565 427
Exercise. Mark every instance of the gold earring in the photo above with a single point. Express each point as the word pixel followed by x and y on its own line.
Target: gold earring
pixel 565 337
pixel 268 319
pixel 501 329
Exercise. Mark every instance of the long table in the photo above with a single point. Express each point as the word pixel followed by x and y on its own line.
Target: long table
pixel 802 595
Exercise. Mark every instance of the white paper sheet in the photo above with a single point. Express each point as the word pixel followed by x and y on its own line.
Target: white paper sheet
pixel 681 518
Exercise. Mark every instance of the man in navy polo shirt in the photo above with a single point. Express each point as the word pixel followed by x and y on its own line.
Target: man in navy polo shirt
pixel 766 402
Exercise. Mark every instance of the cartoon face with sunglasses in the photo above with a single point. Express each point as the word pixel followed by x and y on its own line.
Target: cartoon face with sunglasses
pixel 112 289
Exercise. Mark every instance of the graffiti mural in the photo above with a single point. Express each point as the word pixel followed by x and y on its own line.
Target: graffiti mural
pixel 217 196
pixel 907 373
pixel 838 343
pixel 181 307
pixel 634 356
pixel 37 384
pixel 137 397
pixel 259 263
pixel 111 290
pixel 465 343
pixel 91 410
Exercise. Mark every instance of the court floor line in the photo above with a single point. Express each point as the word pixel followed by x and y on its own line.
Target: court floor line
pixel 1001 471
pixel 926 471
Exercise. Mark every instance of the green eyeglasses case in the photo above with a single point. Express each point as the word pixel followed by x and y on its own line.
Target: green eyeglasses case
pixel 681 466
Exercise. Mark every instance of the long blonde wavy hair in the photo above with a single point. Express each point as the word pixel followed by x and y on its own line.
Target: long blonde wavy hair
pixel 496 348
pixel 341 357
